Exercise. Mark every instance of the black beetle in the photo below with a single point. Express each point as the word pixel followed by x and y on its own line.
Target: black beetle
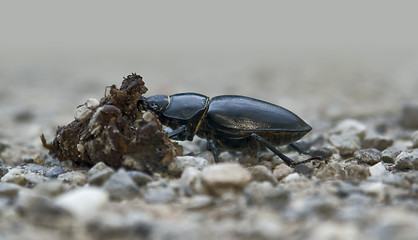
pixel 229 122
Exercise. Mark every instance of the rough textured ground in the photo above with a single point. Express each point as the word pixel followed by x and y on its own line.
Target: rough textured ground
pixel 361 108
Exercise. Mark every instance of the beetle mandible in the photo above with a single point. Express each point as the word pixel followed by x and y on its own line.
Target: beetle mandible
pixel 229 122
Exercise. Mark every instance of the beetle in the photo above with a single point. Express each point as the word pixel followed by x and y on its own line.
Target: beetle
pixel 228 122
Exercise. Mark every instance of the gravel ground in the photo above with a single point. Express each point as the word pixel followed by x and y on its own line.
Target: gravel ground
pixel 364 120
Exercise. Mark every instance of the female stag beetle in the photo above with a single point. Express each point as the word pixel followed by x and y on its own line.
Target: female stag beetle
pixel 229 122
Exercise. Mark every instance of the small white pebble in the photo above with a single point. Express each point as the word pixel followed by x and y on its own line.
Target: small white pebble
pixel 92 103
pixel 148 116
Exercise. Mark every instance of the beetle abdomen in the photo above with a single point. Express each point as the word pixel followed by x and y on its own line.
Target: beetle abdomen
pixel 249 114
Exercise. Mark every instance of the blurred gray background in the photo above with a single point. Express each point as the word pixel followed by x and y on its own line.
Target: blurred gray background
pixel 321 59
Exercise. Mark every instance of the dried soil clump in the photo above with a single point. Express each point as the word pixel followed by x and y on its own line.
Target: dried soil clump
pixel 115 132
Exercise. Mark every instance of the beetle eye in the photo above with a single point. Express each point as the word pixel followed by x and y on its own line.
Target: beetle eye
pixel 157 103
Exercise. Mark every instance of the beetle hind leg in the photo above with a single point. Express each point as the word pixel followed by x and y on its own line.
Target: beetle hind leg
pixel 285 158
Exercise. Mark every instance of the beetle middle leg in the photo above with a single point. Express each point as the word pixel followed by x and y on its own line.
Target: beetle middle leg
pixel 285 158
pixel 212 148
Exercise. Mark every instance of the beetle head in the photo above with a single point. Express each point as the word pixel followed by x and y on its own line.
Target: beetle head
pixel 156 103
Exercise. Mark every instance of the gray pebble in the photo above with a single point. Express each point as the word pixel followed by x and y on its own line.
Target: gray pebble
pixel 98 167
pixel 99 174
pixel 140 178
pixel 346 143
pixel 378 142
pixel 37 168
pixel 409 115
pixel 160 195
pixel 321 152
pixel 261 173
pixel 369 156
pixel 179 163
pixel 54 172
pixel 389 154
pixel 407 160
pixel 120 186
pixel 8 190
pixel 100 177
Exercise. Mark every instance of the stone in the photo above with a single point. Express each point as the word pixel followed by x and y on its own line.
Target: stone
pixel 415 139
pixel 3 171
pixel 140 178
pixel 332 170
pixel 346 143
pixel 389 155
pixel 33 178
pixel 407 160
pixel 100 177
pixel 321 152
pixel 409 115
pixel 120 186
pixel 54 172
pixel 76 177
pixel 179 163
pixel 9 190
pixel 261 173
pixel 193 178
pixel 292 177
pixel 377 170
pixel 281 171
pixel 36 168
pixel 378 142
pixel 357 172
pixel 15 175
pixel 3 146
pixel 198 202
pixel 351 127
pixel 51 188
pixel 83 203
pixel 369 156
pixel 42 211
pixel 159 195
pixel 375 189
pixel 97 168
pixel 225 177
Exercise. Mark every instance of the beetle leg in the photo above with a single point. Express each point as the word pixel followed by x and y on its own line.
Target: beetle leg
pixel 298 149
pixel 212 148
pixel 176 133
pixel 285 158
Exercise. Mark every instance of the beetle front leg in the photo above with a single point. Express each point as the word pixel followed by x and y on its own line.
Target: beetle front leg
pixel 212 148
pixel 178 133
